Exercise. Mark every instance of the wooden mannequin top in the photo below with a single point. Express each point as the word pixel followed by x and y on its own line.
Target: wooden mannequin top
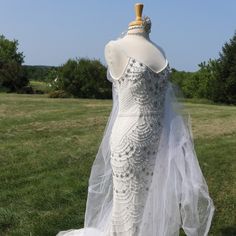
pixel 136 44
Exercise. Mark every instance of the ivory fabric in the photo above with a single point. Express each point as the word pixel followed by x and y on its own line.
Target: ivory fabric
pixel 146 179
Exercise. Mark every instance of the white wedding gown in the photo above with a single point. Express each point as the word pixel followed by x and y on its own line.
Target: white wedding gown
pixel 146 179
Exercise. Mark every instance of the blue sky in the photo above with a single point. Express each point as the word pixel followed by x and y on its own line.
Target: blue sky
pixel 51 31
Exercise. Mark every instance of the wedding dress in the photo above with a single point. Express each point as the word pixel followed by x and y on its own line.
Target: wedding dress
pixel 146 179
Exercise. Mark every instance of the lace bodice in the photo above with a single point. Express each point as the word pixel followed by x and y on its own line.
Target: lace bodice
pixel 140 90
pixel 134 141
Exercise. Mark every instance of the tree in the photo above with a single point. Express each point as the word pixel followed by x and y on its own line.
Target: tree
pixel 220 75
pixel 215 80
pixel 227 71
pixel 12 77
pixel 83 78
pixel 185 81
pixel 38 73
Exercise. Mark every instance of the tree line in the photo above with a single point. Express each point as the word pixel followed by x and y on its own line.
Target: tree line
pixel 215 80
pixel 12 76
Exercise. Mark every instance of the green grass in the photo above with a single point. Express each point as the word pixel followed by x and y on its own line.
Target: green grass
pixel 47 147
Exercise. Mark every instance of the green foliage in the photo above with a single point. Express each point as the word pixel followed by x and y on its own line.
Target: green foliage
pixel 82 78
pixel 227 71
pixel 215 80
pixel 38 73
pixel 12 76
pixel 59 94
pixel 8 51
pixel 40 87
pixel 182 79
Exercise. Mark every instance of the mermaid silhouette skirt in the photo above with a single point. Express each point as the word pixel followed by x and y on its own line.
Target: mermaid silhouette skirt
pixel 134 143
pixel 145 179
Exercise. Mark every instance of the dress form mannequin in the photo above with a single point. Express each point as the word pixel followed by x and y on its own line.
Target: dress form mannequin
pixel 145 179
pixel 136 44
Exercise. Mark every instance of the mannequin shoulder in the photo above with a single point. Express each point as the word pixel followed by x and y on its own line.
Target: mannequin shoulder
pixel 109 47
pixel 115 58
pixel 112 50
pixel 145 51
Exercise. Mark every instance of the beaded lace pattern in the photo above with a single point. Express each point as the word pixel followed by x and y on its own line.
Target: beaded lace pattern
pixel 134 142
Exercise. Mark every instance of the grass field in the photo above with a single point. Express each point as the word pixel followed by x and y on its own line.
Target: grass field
pixel 47 147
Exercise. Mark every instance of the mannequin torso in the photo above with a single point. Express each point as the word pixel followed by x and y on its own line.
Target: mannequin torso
pixel 135 44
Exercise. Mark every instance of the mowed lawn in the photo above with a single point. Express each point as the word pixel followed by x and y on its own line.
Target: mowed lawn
pixel 47 147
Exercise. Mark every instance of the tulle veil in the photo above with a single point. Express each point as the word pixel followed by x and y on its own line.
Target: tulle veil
pixel 178 196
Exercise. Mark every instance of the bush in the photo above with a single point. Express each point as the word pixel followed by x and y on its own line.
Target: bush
pixel 59 94
pixel 83 78
pixel 40 87
pixel 26 90
pixel 37 73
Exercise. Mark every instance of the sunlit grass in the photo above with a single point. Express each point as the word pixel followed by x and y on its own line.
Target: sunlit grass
pixel 47 147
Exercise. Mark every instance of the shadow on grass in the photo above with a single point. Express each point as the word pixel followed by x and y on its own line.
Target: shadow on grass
pixel 8 219
pixel 229 231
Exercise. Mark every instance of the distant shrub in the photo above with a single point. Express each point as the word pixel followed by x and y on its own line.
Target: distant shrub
pixel 36 91
pixel 38 73
pixel 26 90
pixel 59 94
pixel 40 87
pixel 83 78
